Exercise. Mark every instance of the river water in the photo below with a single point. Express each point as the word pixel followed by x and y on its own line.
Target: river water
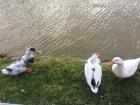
pixel 73 28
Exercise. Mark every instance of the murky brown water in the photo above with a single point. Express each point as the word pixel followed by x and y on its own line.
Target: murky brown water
pixel 71 27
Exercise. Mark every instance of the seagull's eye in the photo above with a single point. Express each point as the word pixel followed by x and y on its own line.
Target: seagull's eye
pixel 116 60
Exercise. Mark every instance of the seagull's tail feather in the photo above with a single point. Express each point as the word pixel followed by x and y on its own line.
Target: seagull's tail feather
pixel 94 90
pixel 138 59
pixel 4 71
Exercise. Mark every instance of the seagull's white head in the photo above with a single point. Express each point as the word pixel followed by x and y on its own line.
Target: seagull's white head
pixel 94 58
pixel 117 60
pixel 95 55
pixel 30 52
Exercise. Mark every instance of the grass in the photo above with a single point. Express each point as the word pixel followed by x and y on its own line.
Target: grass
pixel 62 82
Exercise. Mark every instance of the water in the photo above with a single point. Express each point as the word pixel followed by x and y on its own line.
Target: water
pixel 71 27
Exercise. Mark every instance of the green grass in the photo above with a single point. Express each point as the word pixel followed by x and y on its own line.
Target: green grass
pixel 62 82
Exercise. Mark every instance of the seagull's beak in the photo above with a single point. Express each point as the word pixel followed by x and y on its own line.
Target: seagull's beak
pixel 109 63
pixel 112 62
pixel 98 55
pixel 38 52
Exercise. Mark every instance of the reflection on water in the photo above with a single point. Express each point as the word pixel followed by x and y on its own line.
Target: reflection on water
pixel 71 27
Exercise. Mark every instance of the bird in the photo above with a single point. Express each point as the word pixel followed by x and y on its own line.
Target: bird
pixel 93 72
pixel 23 64
pixel 124 68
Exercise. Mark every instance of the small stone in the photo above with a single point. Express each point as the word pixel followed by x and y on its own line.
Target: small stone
pixel 23 91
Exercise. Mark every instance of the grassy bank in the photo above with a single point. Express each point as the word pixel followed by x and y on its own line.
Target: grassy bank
pixel 62 82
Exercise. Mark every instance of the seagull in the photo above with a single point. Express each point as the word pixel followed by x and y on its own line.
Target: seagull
pixel 93 72
pixel 124 68
pixel 21 65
